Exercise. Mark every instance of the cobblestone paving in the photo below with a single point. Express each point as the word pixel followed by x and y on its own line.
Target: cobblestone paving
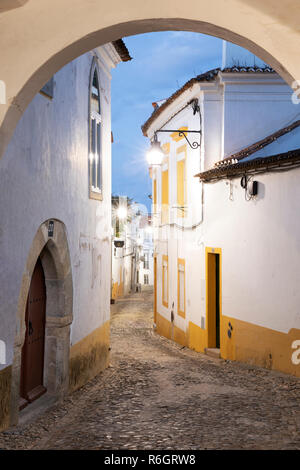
pixel 158 395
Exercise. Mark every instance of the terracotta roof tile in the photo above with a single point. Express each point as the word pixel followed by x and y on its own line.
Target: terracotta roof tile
pixel 122 50
pixel 247 151
pixel 208 76
pixel 281 161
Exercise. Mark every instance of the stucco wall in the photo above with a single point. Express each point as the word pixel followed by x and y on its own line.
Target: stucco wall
pixel 44 175
pixel 258 240
pixel 34 50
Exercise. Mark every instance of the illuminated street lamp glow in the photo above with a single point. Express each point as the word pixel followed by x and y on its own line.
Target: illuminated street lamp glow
pixel 155 154
pixel 122 212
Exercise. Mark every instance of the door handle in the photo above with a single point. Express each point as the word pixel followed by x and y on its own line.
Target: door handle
pixel 30 329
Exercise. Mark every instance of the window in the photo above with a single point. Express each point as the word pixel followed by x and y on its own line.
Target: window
pixel 146 260
pixel 165 281
pixel 181 288
pixel 146 279
pixel 95 160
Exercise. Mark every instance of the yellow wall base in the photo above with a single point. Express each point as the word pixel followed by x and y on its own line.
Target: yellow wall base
pixel 5 392
pixel 117 290
pixel 170 331
pixel 258 345
pixel 89 356
pixel 248 343
pixel 197 338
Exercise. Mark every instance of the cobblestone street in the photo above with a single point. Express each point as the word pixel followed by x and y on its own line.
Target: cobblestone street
pixel 158 395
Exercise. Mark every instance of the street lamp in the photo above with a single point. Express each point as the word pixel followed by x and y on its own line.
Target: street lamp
pixel 122 212
pixel 155 154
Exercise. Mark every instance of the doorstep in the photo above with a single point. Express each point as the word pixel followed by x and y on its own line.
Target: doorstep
pixel 37 408
pixel 213 352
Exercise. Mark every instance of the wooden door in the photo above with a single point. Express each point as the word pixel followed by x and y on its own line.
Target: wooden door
pixel 155 288
pixel 32 365
pixel 213 300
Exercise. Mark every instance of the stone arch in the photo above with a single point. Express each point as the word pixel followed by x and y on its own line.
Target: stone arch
pixel 54 254
pixel 267 29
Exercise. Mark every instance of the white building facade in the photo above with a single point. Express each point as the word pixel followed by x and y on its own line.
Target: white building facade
pixel 55 238
pixel 145 244
pixel 226 250
pixel 132 248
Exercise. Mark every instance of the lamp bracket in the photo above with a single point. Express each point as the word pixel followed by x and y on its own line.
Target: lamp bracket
pixel 181 133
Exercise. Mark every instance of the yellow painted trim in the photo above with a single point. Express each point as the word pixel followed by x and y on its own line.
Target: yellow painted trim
pixel 114 293
pixel 167 329
pixel 179 336
pixel 175 135
pixel 249 343
pixel 5 397
pixel 182 149
pixel 258 345
pixel 197 338
pixel 166 148
pixel 121 289
pixel 181 313
pixel 210 322
pixel 155 286
pixel 102 333
pixel 165 258
pixel 163 326
pixel 89 356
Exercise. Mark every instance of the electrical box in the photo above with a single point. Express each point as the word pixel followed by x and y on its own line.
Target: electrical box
pixel 252 188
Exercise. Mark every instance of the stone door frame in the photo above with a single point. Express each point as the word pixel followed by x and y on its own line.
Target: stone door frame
pixel 52 248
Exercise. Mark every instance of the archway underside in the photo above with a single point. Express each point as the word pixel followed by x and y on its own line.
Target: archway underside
pixel 268 30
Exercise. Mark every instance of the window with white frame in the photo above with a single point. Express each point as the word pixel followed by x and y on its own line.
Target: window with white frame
pixel 95 160
pixel 146 260
pixel 146 279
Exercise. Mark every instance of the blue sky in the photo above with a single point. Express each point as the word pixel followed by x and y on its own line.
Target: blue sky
pixel 162 63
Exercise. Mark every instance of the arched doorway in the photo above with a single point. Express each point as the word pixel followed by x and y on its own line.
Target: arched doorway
pixel 45 314
pixel 268 29
pixel 32 363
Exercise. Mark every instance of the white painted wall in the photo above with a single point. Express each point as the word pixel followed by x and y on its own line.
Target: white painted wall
pixel 236 55
pixel 259 238
pixel 44 174
pixel 137 240
pixel 254 107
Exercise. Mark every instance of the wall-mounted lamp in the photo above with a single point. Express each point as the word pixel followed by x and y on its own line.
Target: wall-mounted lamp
pixel 194 145
pixel 122 212
pixel 155 154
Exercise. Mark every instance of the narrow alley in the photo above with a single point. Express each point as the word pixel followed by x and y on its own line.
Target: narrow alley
pixel 158 395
